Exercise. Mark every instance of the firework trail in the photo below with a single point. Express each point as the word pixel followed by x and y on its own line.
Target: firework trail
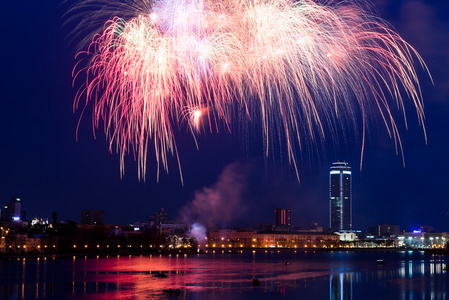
pixel 294 66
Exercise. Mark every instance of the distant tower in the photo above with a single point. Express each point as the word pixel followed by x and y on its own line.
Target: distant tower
pixel 340 193
pixel 283 217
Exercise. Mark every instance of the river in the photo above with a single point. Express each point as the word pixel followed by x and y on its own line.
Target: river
pixel 222 275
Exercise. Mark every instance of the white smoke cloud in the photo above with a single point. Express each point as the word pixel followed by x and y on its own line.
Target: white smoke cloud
pixel 220 203
pixel 198 231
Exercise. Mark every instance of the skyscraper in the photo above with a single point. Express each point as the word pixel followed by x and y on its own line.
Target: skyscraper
pixel 340 194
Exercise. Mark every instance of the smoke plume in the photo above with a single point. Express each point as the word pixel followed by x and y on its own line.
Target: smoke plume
pixel 220 203
pixel 198 231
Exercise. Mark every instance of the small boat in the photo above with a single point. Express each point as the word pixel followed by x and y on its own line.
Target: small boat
pixel 172 291
pixel 380 262
pixel 256 282
pixel 287 263
pixel 160 275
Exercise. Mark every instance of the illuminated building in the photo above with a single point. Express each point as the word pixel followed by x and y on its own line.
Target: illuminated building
pixel 271 239
pixel 92 217
pixel 418 239
pixel 340 194
pixel 283 217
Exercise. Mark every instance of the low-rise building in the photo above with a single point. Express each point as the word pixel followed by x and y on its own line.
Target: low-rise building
pixel 271 239
pixel 418 239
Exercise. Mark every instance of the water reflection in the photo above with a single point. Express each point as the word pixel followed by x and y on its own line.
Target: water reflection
pixel 423 278
pixel 341 286
pixel 320 275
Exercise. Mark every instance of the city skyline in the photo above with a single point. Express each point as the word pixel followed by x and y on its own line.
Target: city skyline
pixel 53 168
pixel 12 212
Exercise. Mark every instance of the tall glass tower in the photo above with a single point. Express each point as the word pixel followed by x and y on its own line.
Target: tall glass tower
pixel 340 194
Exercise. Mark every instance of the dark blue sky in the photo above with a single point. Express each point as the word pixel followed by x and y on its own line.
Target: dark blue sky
pixel 44 164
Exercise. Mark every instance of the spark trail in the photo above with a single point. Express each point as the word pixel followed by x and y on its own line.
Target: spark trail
pixel 293 66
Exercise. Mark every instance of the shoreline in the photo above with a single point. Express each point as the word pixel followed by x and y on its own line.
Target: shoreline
pixel 229 251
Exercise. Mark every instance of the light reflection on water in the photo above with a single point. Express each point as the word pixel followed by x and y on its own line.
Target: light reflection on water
pixel 310 275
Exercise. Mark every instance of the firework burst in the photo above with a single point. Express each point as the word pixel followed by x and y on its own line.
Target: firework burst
pixel 295 66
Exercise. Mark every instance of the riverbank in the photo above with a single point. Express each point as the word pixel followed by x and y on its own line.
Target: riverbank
pixel 220 250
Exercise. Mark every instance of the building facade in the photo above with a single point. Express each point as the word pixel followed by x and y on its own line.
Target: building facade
pixel 388 230
pixel 92 217
pixel 12 211
pixel 283 217
pixel 340 194
pixel 160 217
pixel 271 239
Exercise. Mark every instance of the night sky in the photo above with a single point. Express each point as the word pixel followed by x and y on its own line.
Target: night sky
pixel 227 181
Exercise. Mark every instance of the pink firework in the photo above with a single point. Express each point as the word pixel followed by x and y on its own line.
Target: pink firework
pixel 293 66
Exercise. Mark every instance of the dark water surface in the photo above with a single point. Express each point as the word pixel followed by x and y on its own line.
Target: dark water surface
pixel 309 275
